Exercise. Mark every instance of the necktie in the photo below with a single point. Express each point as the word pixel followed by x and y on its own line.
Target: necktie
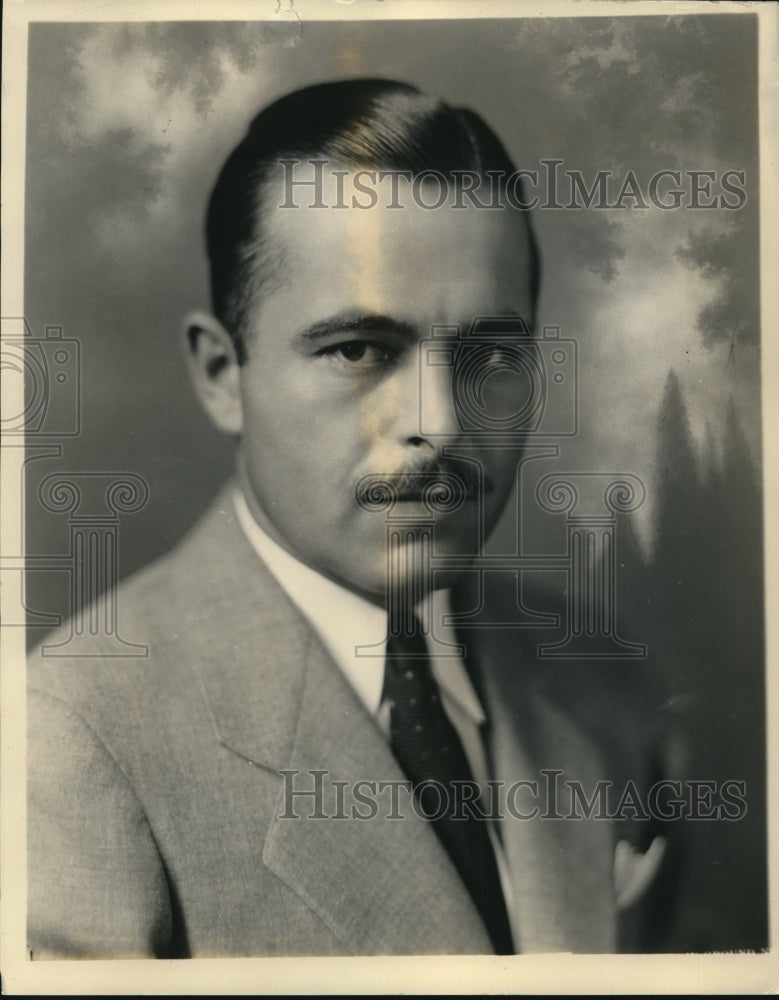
pixel 428 749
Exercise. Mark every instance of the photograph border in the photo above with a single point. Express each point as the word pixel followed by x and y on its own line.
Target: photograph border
pixel 661 974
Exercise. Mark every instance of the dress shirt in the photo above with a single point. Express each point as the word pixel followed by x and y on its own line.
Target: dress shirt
pixel 354 632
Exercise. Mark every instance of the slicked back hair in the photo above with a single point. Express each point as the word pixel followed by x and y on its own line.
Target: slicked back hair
pixel 368 124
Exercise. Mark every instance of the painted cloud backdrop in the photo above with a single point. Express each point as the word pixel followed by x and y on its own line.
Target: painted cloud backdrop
pixel 128 124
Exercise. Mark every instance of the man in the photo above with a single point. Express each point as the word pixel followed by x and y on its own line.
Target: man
pixel 238 792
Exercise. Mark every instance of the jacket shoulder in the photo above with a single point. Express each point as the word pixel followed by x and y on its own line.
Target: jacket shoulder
pixel 142 638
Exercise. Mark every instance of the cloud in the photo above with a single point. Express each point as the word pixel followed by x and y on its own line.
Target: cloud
pixel 726 257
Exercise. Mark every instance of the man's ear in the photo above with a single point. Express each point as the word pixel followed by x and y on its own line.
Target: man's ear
pixel 214 370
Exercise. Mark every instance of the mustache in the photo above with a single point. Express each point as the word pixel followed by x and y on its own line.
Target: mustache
pixel 444 483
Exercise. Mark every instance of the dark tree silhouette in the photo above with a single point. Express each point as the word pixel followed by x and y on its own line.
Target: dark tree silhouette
pixel 705 595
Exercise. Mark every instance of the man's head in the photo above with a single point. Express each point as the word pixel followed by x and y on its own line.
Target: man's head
pixel 315 356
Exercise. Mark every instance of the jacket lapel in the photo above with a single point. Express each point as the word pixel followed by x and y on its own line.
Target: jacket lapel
pixel 381 885
pixel 561 868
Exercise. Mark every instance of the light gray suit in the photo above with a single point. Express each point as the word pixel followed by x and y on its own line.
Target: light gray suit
pixel 155 797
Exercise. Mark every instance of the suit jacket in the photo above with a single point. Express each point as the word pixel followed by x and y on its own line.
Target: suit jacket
pixel 155 798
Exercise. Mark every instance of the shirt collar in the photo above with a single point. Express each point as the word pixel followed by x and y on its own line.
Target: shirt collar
pixel 353 630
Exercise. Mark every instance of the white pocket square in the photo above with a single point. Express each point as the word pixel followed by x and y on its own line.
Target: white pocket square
pixel 633 871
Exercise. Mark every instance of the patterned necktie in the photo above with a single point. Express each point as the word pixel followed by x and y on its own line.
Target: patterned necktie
pixel 428 749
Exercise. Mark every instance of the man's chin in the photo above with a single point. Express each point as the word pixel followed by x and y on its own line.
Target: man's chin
pixel 414 565
pixel 409 588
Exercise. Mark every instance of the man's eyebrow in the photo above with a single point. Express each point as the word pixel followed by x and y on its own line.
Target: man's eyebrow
pixel 356 322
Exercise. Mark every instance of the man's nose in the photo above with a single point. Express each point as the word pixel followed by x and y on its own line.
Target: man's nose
pixel 437 418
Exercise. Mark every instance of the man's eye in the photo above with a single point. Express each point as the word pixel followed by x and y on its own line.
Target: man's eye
pixel 359 354
pixel 356 351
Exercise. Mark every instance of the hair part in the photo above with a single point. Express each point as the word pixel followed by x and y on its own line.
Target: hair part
pixel 365 124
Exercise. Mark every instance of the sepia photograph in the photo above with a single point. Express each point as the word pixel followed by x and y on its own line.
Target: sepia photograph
pixel 387 495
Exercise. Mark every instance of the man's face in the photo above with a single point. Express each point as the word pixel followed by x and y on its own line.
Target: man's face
pixel 335 382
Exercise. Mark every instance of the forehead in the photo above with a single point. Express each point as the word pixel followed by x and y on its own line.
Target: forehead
pixel 442 264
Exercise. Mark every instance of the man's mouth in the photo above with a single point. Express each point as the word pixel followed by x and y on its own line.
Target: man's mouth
pixel 440 489
pixel 436 490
